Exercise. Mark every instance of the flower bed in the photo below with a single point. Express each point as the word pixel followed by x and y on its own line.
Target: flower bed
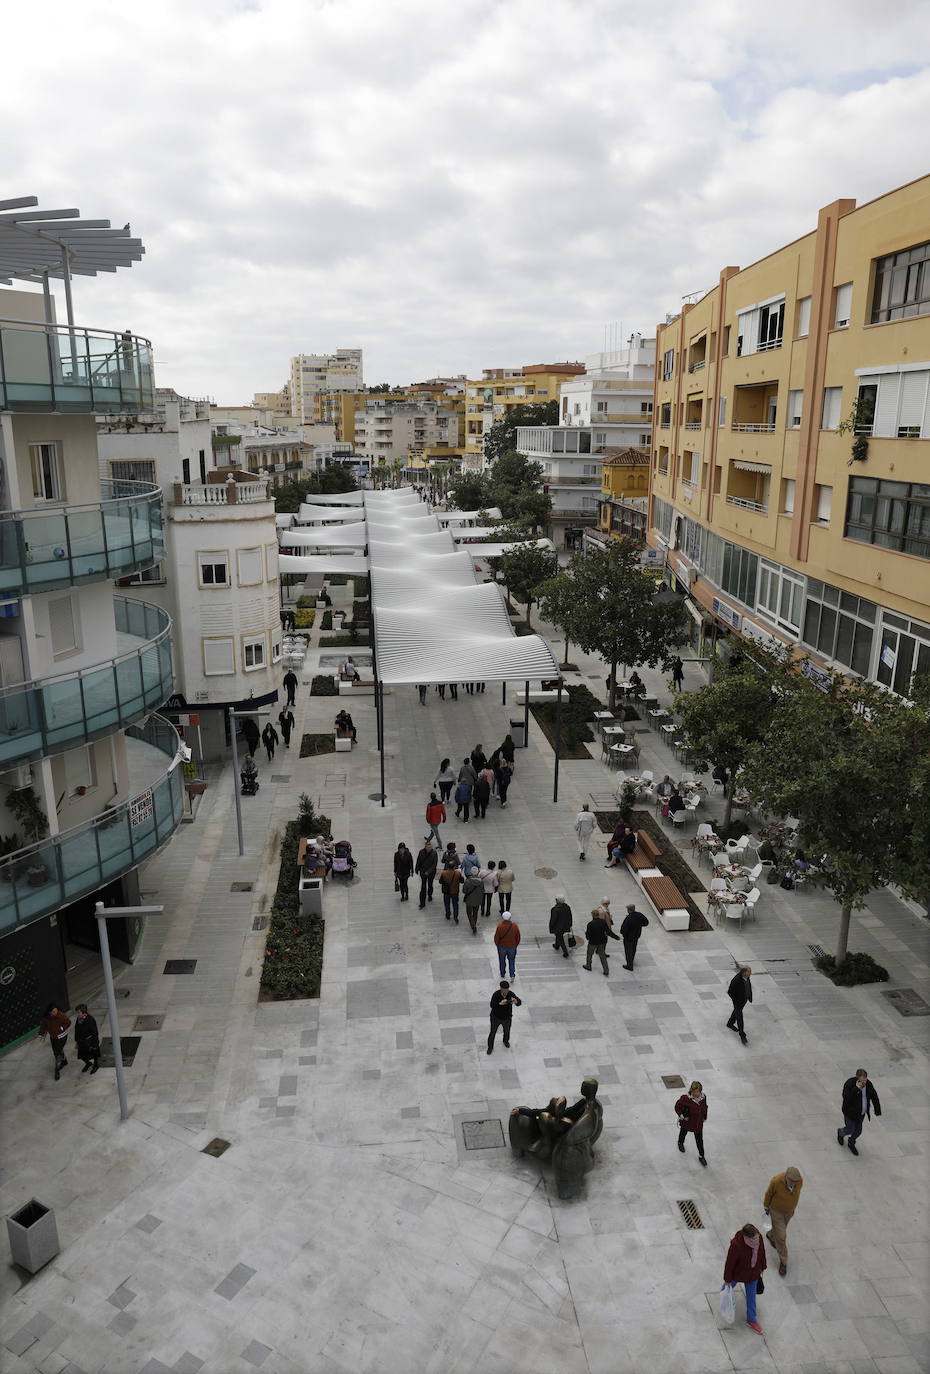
pixel 854 969
pixel 293 963
pixel 311 745
pixel 324 685
pixel 670 861
pixel 578 707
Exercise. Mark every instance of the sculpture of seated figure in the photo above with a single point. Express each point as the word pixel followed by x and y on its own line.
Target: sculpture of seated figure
pixel 561 1133
pixel 536 1129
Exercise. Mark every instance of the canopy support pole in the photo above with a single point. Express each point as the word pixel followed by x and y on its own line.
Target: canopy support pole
pixel 526 715
pixel 379 690
pixel 503 694
pixel 558 741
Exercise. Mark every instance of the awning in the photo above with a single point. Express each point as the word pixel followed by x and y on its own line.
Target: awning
pixel 745 466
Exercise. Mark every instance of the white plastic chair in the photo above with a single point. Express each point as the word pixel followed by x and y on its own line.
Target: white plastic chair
pixel 693 803
pixel 750 902
pixel 753 874
pixel 721 858
pixel 681 817
pixel 733 911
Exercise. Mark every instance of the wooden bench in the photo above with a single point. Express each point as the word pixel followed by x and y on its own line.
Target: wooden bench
pixel 669 904
pixel 351 688
pixel 301 853
pixel 644 855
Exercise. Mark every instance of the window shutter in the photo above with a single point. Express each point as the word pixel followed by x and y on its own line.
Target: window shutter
pixel 788 499
pixel 250 566
pixel 61 625
pixel 795 400
pixel 748 330
pixel 217 656
pixel 832 400
pixel 804 317
pixel 824 503
pixel 843 305
pixel 885 423
pixel 913 400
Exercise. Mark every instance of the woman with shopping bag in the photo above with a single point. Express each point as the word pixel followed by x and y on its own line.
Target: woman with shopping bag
pixel 745 1264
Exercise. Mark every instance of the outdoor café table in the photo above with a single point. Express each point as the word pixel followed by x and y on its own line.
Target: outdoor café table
pixel 735 877
pixel 612 732
pixel 708 844
pixel 602 717
pixel 669 730
pixel 623 753
pixel 721 899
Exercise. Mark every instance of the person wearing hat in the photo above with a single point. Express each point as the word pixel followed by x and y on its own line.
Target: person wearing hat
pixel 781 1198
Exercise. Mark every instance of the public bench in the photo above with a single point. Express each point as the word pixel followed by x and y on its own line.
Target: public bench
pixel 667 902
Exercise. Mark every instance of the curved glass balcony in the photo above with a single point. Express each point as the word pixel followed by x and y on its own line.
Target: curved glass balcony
pixel 78 371
pixel 52 714
pixel 64 546
pixel 42 877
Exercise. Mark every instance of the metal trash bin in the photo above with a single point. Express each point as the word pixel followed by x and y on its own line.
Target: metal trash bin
pixel 33 1235
pixel 310 896
pixel 518 733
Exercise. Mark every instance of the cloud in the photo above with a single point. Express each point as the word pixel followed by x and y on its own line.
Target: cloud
pixel 449 186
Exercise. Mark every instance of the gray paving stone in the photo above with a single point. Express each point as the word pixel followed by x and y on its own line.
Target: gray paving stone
pixel 256 1353
pixel 122 1297
pixel 122 1324
pixel 287 1085
pixel 457 1035
pixel 234 1281
pixel 188 1364
pixel 403 1040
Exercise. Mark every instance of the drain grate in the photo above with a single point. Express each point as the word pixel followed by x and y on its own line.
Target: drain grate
pixel 487 1134
pixel 216 1147
pixel 241 887
pixel 906 1002
pixel 128 1044
pixel 280 777
pixel 180 966
pixel 691 1215
pixel 817 951
pixel 673 1080
pixel 260 923
pixel 546 872
pixel 148 1023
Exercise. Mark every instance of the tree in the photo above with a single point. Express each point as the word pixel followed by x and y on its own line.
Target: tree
pixel 610 606
pixel 501 438
pixel 289 496
pixel 723 721
pixel 524 570
pixel 469 491
pixel 514 484
pixel 849 760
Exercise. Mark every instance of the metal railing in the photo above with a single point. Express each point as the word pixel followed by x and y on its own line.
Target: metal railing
pixel 46 367
pixel 747 505
pixel 52 714
pixel 62 546
pixel 693 424
pixel 752 429
pixel 43 877
pixel 696 367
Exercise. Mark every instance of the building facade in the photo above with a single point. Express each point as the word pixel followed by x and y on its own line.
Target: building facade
pixel 624 499
pixel 313 373
pixel 790 460
pixel 500 390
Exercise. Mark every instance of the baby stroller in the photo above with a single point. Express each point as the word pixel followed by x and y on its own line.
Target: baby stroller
pixel 344 865
pixel 248 778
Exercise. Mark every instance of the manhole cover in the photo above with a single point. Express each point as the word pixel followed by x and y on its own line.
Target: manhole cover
pixel 148 1023
pixel 691 1215
pixel 128 1044
pixel 907 1002
pixel 241 887
pixel 180 966
pixel 260 923
pixel 483 1135
pixel 673 1080
pixel 546 872
pixel 216 1147
pixel 280 777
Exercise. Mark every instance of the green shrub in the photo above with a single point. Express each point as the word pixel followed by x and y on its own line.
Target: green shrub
pixel 362 587
pixel 326 621
pixel 854 969
pixel 306 603
pixel 293 962
pixel 303 619
pixel 323 685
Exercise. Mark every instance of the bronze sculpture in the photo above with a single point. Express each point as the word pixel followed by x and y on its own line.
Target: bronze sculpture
pixel 561 1133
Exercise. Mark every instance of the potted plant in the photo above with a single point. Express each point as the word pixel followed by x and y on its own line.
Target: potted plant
pixel 25 806
pixel 9 845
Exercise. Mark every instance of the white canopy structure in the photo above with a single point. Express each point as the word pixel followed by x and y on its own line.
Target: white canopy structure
pixel 308 515
pixel 460 517
pixel 354 536
pixel 324 565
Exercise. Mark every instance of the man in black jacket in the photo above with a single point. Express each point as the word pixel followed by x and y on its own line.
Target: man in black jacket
pixel 859 1097
pixel 632 926
pixel 290 686
pixel 426 867
pixel 560 923
pixel 502 1004
pixel 739 993
pixel 597 933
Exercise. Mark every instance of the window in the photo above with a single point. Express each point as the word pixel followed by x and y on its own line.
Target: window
pixel 250 566
pixel 839 626
pixel 793 417
pixel 832 403
pixel 601 407
pixel 665 415
pixel 47 476
pixel 133 470
pixel 600 438
pixel 591 469
pixel 895 404
pixel 79 770
pixel 645 407
pixel 892 515
pixel 668 365
pixel 780 595
pixel 644 440
pixel 739 573
pixel 275 647
pixel 771 325
pixel 186 471
pixel 213 566
pixel 726 341
pixel 271 562
pixel 63 627
pixel 903 655
pixel 722 411
pixel 253 652
pixel 842 305
pixel 804 317
pixel 662 460
pixel 787 495
pixel 902 285
pixel 824 498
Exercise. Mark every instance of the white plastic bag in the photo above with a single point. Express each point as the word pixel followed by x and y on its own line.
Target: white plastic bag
pixel 727 1305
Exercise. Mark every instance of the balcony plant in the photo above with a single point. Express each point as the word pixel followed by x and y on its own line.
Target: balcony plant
pixel 861 417
pixel 25 807
pixel 9 845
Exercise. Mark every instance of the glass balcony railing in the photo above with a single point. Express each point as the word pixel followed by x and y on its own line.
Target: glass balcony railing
pixel 62 546
pixel 52 714
pixel 53 368
pixel 45 876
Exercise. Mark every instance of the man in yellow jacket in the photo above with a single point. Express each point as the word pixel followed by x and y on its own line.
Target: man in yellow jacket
pixel 781 1198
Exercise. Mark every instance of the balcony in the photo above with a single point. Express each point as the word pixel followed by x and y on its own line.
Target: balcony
pixel 693 424
pixel 228 493
pixel 63 546
pixel 744 504
pixel 45 876
pixel 47 368
pixel 747 428
pixel 52 714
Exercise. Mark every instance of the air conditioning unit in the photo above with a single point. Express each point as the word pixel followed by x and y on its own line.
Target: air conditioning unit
pixel 21 777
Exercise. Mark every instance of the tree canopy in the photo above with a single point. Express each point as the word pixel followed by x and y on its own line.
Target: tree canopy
pixel 289 496
pixel 524 570
pixel 725 719
pixel 501 438
pixel 513 484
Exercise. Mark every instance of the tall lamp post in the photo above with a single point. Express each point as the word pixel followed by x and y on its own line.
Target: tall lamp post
pixel 103 913
pixel 233 717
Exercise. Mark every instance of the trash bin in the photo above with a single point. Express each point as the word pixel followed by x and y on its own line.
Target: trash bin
pixel 33 1235
pixel 518 733
pixel 310 896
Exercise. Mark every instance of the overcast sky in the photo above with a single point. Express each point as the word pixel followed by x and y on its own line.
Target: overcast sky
pixel 448 184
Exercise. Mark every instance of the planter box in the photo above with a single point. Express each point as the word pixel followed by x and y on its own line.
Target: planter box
pixel 33 1236
pixel 343 744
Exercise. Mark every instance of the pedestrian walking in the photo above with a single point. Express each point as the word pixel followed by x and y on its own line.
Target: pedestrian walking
pixel 505 881
pixel 597 933
pixel 488 878
pixel 859 1098
pixel 739 993
pixel 781 1198
pixel 251 735
pixel 631 927
pixel 746 1264
pixel 678 673
pixel 270 740
pixel 421 689
pixel 86 1038
pixel 503 774
pixel 463 791
pixel 426 867
pixel 691 1110
pixel 450 880
pixel 507 938
pixel 502 1004
pixel 472 896
pixel 450 856
pixel 54 1024
pixel 403 871
pixel 435 817
pixel 441 689
pixel 508 750
pixel 478 758
pixel 585 823
pixel 290 686
pixel 286 722
pixel 445 780
pixel 481 795
pixel 560 924
pixel 470 861
pixel 454 691
pixel 467 773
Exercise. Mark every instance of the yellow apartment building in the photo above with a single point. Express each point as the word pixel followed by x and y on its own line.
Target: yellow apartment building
pixel 502 388
pixel 624 495
pixel 790 484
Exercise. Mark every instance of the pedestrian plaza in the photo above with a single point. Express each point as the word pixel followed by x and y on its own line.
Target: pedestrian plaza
pixel 368 1215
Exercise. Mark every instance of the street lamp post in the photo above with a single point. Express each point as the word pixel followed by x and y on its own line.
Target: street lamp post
pixel 102 913
pixel 233 717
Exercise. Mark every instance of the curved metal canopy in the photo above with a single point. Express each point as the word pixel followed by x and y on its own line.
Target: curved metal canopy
pixel 36 244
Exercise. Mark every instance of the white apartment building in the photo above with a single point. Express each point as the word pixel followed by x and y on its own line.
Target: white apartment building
pixel 616 391
pixel 312 373
pixel 388 430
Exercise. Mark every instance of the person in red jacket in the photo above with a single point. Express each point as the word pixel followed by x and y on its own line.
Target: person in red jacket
pixel 54 1024
pixel 507 937
pixel 435 816
pixel 691 1110
pixel 746 1264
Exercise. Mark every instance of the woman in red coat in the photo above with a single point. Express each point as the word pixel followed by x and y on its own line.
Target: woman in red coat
pixel 745 1264
pixel 691 1110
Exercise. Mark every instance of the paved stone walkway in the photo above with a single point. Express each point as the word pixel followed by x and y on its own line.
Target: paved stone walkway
pixel 348 1229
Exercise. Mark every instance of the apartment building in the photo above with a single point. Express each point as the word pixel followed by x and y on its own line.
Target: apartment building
pixel 624 499
pixel 792 404
pixel 616 390
pixel 388 430
pixel 313 373
pixel 90 781
pixel 501 389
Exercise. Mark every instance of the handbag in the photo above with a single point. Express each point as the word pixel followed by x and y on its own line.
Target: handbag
pixel 396 883
pixel 572 942
pixel 727 1305
pixel 760 1285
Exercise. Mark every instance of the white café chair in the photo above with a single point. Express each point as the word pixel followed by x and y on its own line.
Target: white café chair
pixel 751 898
pixel 720 859
pixel 733 911
pixel 703 832
pixel 735 849
pixel 681 817
pixel 754 874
